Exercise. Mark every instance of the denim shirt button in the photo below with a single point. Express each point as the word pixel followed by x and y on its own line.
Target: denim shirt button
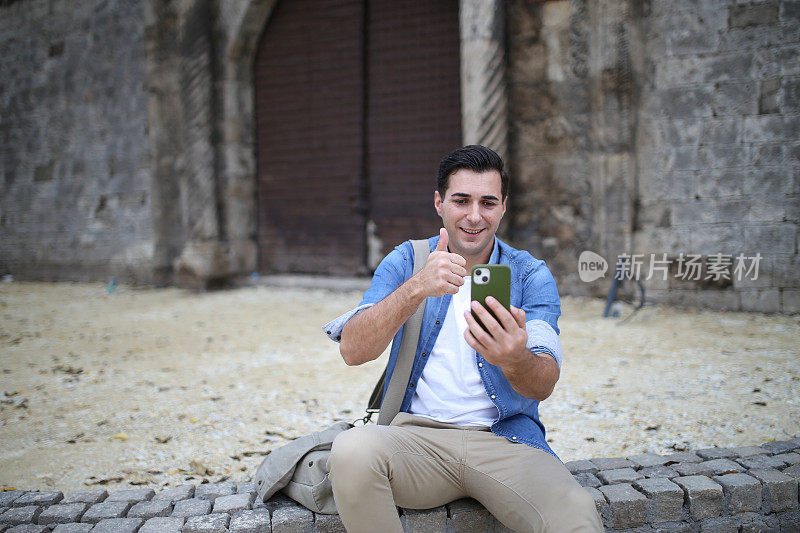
pixel 480 365
pixel 514 437
pixel 411 384
pixel 424 354
pixel 493 397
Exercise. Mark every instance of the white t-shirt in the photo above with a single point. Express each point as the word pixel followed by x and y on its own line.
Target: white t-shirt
pixel 450 388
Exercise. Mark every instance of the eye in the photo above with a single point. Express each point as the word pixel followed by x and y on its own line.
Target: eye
pixel 460 201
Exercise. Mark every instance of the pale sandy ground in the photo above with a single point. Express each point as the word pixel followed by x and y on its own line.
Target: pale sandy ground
pixel 162 386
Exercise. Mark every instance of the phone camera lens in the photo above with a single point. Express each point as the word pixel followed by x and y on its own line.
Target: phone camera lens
pixel 485 278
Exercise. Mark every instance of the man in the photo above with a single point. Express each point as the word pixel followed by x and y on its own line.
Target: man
pixel 469 423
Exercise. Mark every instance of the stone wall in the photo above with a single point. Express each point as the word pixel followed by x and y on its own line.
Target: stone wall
pixel 74 164
pixel 660 127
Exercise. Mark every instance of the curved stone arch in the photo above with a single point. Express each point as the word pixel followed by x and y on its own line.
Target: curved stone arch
pixel 239 28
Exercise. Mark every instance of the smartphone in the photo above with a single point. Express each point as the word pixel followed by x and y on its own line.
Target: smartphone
pixel 491 280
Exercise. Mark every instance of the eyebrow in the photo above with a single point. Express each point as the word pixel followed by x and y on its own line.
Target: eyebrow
pixel 484 197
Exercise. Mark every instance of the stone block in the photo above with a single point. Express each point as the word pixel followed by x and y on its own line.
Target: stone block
pixel 191 507
pixel 771 128
pixel 780 490
pixel 174 494
pixel 246 486
pixel 212 491
pixel 761 462
pixel 251 521
pixel 626 506
pixel 63 513
pixel 611 463
pixel 212 523
pixel 619 475
pixel 753 14
pixel 741 493
pixel 703 495
pixel 659 471
pixel 131 495
pixel 233 502
pixel 101 511
pixel 328 523
pixel 648 459
pixel 28 528
pixel 38 498
pixel 758 523
pixel 163 524
pixel 723 524
pixel 791 458
pixel 422 520
pixel 725 130
pixel 677 527
pixel 719 467
pixel 664 499
pixel 467 514
pixel 780 446
pixel 118 525
pixel 150 509
pixel 693 469
pixel 582 466
pixel 731 98
pixel 277 501
pixel 587 480
pixel 73 528
pixel 292 519
pixel 600 502
pixel 8 497
pixel 761 300
pixel 790 521
pixel 86 496
pixel 790 301
pixel 793 471
pixel 682 457
pixel 20 515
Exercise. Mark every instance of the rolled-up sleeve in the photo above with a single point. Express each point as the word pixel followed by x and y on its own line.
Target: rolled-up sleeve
pixel 389 275
pixel 542 307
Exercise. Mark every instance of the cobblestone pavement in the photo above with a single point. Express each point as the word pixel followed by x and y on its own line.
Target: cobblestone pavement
pixel 749 488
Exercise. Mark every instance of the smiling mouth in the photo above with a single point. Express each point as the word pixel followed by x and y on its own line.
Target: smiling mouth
pixel 471 231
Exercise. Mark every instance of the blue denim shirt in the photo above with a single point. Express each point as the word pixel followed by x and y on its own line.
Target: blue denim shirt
pixel 533 290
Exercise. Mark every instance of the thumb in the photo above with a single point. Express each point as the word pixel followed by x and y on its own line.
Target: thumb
pixel 443 241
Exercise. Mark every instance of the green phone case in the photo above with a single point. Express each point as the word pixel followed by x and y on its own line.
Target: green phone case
pixel 498 285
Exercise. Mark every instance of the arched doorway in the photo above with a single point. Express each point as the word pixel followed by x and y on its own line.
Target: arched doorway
pixel 356 103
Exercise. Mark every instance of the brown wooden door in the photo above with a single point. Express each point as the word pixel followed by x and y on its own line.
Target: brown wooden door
pixel 414 112
pixel 356 103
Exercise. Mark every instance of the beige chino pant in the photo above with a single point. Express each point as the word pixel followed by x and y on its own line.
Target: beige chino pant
pixel 419 463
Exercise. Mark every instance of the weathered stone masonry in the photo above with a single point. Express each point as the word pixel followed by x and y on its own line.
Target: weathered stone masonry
pixel 659 126
pixel 745 489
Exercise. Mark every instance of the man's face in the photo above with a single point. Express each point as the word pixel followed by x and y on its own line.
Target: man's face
pixel 471 211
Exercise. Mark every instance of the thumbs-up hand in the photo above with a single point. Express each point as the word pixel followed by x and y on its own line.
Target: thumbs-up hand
pixel 443 271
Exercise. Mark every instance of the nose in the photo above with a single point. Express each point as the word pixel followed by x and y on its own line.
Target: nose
pixel 474 214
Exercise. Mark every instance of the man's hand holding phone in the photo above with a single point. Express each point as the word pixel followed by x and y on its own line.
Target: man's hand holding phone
pixel 443 271
pixel 504 340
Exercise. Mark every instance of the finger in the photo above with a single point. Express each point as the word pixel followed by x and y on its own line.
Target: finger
pixel 443 241
pixel 457 259
pixel 504 317
pixel 477 332
pixel 489 322
pixel 458 271
pixel 519 316
pixel 473 342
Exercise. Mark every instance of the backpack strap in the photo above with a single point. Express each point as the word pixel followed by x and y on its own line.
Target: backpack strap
pixel 393 400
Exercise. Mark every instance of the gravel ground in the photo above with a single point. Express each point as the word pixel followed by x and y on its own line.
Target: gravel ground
pixel 161 387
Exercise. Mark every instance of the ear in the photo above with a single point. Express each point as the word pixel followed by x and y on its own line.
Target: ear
pixel 437 202
pixel 505 200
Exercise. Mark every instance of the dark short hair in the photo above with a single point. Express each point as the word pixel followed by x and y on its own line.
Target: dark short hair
pixel 473 157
